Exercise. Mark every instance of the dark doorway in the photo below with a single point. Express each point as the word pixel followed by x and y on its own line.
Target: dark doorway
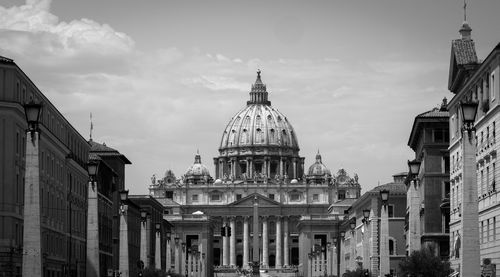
pixel 239 260
pixel 272 261
pixel 216 256
pixel 295 256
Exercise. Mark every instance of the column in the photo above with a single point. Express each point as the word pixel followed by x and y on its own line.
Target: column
pixel 190 262
pixel 265 243
pixel 168 255
pixel 183 263
pixel 286 247
pixel 232 242
pixel 328 254
pixel 384 241
pixel 124 262
pixel 414 217
pixel 278 242
pixel 32 248
pixel 268 168
pixel 366 246
pixel 143 251
pixel 92 232
pixel 176 256
pixel 469 256
pixel 225 242
pixel 245 242
pixel 334 259
pixel 158 249
pixel 221 169
pixel 255 254
pixel 281 167
pixel 353 249
pixel 294 168
pixel 309 265
pixel 216 163
pixel 250 168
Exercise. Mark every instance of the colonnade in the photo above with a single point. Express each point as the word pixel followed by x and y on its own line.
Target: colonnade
pixel 230 166
pixel 282 246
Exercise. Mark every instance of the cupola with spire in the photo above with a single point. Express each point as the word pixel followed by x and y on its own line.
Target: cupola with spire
pixel 258 94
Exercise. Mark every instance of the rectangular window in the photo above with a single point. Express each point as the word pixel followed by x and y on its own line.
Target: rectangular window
pixel 487 179
pixel 493 131
pixel 446 164
pixel 390 210
pixel 487 230
pixel 481 234
pixel 271 196
pixel 315 197
pixel 341 195
pixel 215 197
pixel 494 235
pixel 194 197
pixel 294 197
pixel 169 194
pixel 238 196
pixel 492 86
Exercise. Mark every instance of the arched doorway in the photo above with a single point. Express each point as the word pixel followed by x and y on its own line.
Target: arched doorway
pixel 272 260
pixel 239 260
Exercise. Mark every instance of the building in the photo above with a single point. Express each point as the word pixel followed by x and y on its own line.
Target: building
pixel 473 80
pixel 362 245
pixel 63 180
pixel 428 206
pixel 259 175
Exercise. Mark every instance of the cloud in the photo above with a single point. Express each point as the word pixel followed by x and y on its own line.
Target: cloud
pixel 83 45
pixel 158 107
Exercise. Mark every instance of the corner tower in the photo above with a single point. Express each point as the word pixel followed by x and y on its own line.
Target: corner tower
pixel 259 142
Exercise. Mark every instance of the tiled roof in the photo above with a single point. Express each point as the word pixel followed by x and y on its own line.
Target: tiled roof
pixel 392 187
pixel 97 147
pixel 94 156
pixel 5 60
pixel 465 52
pixel 436 112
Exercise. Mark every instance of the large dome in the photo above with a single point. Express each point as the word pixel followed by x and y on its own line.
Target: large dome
pixel 259 124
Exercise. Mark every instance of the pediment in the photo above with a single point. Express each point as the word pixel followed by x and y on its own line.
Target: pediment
pixel 248 201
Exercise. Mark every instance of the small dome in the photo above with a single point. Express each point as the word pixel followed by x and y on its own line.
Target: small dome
pixel 294 181
pixel 218 181
pixel 318 168
pixel 197 169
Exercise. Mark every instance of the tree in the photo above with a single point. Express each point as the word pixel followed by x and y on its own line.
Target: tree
pixel 355 273
pixel 424 263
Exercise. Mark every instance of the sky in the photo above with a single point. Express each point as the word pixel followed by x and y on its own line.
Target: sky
pixel 162 78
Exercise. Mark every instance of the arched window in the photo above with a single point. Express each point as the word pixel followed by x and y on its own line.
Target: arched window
pixel 232 137
pixel 285 138
pixel 272 136
pixel 259 136
pixel 244 137
pixel 392 246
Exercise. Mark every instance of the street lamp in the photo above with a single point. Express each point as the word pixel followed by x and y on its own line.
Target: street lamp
pixel 124 254
pixel 32 248
pixel 414 167
pixel 352 224
pixel 92 261
pixel 366 216
pixel 469 203
pixel 384 233
pixel 158 226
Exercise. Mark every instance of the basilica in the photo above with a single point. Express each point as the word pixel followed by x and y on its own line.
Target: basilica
pixel 299 208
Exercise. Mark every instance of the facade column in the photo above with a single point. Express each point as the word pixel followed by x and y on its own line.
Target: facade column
pixel 328 261
pixel 278 242
pixel 384 241
pixel 366 246
pixel 281 167
pixel 93 269
pixel 232 242
pixel 309 265
pixel 176 256
pixel 265 243
pixel 225 244
pixel 334 259
pixel 168 256
pixel 124 261
pixel 250 167
pixel 221 169
pixel 245 242
pixel 294 168
pixel 158 249
pixel 286 250
pixel 144 243
pixel 183 263
pixel 32 248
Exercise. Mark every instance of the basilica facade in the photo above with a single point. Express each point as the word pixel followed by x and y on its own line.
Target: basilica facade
pixel 298 210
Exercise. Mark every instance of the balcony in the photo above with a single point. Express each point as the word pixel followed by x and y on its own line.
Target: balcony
pixel 445 202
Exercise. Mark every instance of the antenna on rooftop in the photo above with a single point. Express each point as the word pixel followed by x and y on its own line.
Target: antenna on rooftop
pixel 91 126
pixel 465 10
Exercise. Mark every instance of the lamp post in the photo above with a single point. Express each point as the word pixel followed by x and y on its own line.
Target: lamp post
pixel 335 260
pixel 145 242
pixel 469 258
pixel 177 265
pixel 124 261
pixel 158 245
pixel 352 225
pixel 92 264
pixel 366 238
pixel 32 248
pixel 384 234
pixel 414 206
